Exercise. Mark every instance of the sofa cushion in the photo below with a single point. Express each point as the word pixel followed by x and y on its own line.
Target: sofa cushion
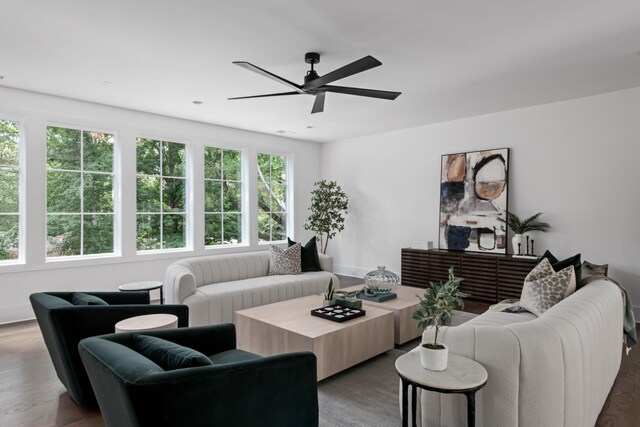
pixel 544 287
pixel 590 270
pixel 309 260
pixel 169 355
pixel 232 356
pixel 80 298
pixel 562 264
pixel 285 261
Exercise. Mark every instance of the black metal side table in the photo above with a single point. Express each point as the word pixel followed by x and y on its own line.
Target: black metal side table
pixel 463 375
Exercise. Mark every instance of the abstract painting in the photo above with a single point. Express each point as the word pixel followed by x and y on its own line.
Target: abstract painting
pixel 473 195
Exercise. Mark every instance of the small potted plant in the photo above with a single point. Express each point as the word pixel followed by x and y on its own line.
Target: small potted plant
pixel 328 294
pixel 520 227
pixel 436 309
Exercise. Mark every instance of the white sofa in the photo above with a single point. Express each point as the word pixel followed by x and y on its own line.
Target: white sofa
pixel 215 286
pixel 555 370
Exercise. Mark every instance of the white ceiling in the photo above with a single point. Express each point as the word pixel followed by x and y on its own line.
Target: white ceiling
pixel 450 59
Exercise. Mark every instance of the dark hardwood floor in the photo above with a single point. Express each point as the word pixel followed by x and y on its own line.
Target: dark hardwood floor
pixel 32 396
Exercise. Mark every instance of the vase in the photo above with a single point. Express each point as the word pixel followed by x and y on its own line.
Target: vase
pixel 518 238
pixel 381 280
pixel 434 359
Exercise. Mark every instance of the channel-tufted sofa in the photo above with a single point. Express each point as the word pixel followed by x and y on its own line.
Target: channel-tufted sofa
pixel 214 287
pixel 555 370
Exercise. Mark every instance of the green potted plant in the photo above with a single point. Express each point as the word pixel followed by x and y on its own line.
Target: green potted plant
pixel 328 294
pixel 328 210
pixel 436 308
pixel 520 227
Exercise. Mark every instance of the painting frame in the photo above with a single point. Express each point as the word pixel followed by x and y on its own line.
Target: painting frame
pixel 474 193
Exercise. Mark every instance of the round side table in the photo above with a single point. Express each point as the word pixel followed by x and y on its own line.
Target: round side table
pixel 143 286
pixel 147 322
pixel 463 375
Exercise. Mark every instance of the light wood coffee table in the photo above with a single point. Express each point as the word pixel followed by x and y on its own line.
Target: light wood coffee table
pixel 288 326
pixel 403 307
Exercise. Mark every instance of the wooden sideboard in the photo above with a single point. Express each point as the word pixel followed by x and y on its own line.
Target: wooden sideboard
pixel 487 277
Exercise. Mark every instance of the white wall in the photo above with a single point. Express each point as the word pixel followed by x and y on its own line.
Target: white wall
pixel 577 161
pixel 36 111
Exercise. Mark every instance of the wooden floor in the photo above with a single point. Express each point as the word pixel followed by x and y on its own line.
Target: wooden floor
pixel 32 396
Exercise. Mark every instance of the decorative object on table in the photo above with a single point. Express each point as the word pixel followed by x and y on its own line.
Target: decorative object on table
pixel 376 297
pixel 473 195
pixel 380 281
pixel 345 293
pixel 520 228
pixel 309 260
pixel 350 302
pixel 436 308
pixel 328 294
pixel 338 313
pixel 328 209
pixel 285 261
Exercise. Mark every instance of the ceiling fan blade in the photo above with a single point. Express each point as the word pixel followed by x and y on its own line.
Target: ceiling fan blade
pixel 264 96
pixel 318 104
pixel 371 93
pixel 269 75
pixel 356 67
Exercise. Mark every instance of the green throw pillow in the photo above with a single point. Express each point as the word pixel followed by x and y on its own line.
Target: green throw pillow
pixel 80 298
pixel 561 265
pixel 309 260
pixel 169 355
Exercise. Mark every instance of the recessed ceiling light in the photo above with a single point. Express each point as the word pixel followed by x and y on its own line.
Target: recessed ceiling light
pixel 310 127
pixel 284 131
pixel 197 102
pixel 106 82
pixel 1 77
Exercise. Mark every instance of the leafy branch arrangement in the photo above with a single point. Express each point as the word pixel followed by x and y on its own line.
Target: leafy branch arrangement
pixel 328 209
pixel 522 226
pixel 437 305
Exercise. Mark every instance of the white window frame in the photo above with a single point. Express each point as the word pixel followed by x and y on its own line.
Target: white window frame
pixel 289 196
pixel 188 201
pixel 115 188
pixel 21 191
pixel 244 236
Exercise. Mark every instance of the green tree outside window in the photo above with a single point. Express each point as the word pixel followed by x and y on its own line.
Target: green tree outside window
pixel 9 190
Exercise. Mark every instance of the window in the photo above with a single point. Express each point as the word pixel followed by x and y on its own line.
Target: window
pixel 161 195
pixel 79 192
pixel 272 198
pixel 9 190
pixel 222 196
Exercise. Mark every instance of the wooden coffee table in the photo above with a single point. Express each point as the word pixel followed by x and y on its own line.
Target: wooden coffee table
pixel 288 326
pixel 403 307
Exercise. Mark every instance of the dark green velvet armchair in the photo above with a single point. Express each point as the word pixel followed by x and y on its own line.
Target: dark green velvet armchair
pixel 63 325
pixel 239 389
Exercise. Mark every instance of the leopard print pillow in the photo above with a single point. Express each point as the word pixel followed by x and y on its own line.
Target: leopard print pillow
pixel 285 261
pixel 543 287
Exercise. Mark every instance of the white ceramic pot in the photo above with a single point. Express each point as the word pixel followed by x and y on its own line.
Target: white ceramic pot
pixel 519 238
pixel 327 302
pixel 434 360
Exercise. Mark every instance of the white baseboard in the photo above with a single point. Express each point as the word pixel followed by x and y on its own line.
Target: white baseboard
pixel 351 271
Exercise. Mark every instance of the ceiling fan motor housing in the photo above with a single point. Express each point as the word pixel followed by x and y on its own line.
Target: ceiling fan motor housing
pixel 311 58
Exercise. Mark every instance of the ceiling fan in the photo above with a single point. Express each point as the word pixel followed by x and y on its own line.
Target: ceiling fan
pixel 318 85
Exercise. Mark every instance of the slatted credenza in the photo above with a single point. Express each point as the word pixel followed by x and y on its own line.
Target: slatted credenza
pixel 487 277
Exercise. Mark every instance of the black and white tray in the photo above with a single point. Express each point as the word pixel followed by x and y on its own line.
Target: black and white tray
pixel 338 313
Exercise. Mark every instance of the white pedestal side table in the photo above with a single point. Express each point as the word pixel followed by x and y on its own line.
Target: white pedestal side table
pixel 463 375
pixel 147 322
pixel 143 286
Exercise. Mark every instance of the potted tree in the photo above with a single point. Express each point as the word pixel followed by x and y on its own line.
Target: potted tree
pixel 328 209
pixel 520 227
pixel 436 309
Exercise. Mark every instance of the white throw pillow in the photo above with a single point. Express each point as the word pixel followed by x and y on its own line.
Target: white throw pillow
pixel 543 287
pixel 285 261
